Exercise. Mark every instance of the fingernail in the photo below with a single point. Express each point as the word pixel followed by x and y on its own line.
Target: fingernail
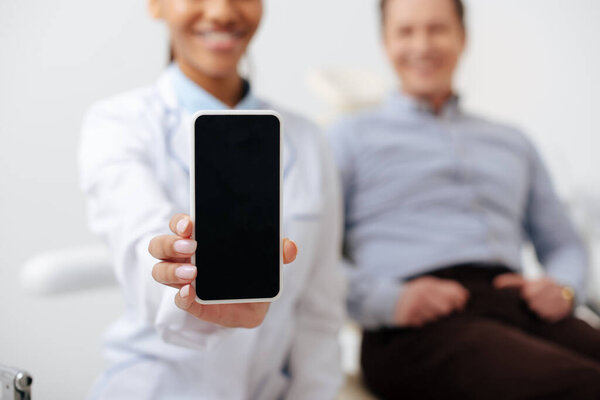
pixel 185 271
pixel 182 225
pixel 184 291
pixel 185 246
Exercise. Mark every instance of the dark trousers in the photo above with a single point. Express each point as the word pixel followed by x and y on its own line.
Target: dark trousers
pixel 495 349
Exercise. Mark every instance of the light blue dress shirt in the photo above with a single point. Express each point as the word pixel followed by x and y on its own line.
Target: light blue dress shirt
pixel 193 98
pixel 426 191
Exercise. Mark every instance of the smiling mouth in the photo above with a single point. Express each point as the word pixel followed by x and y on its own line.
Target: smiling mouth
pixel 424 66
pixel 220 40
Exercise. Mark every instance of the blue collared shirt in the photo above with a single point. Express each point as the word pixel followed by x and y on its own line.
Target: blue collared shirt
pixel 426 191
pixel 194 98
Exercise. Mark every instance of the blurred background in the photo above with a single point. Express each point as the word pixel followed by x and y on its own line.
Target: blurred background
pixel 531 63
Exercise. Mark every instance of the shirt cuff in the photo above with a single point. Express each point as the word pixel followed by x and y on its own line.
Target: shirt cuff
pixel 381 304
pixel 180 328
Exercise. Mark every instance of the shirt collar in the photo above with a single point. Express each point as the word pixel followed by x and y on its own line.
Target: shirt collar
pixel 192 97
pixel 399 102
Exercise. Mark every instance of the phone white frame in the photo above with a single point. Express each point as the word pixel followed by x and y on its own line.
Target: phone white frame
pixel 193 198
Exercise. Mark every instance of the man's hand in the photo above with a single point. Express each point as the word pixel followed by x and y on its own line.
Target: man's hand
pixel 427 299
pixel 543 296
pixel 175 270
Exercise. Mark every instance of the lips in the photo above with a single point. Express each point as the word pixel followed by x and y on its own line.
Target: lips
pixel 423 66
pixel 220 40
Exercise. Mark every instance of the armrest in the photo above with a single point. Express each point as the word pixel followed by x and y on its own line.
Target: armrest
pixel 345 89
pixel 68 270
pixel 589 315
pixel 593 288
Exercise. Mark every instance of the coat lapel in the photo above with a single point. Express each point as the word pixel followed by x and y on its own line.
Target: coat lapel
pixel 178 123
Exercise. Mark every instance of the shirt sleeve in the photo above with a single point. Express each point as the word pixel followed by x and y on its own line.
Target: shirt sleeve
pixel 127 207
pixel 558 246
pixel 371 300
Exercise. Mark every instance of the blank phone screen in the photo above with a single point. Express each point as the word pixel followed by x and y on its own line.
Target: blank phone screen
pixel 237 201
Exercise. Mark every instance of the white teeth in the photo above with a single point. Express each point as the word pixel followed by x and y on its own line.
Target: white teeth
pixel 423 64
pixel 219 36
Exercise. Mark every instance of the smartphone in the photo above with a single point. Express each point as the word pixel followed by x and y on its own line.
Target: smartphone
pixel 236 205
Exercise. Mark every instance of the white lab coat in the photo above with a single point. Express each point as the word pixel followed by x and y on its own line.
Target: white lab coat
pixel 134 171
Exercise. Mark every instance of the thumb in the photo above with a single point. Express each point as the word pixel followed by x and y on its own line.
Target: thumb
pixel 290 251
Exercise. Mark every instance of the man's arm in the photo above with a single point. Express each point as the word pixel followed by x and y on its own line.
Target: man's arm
pixel 558 246
pixel 371 301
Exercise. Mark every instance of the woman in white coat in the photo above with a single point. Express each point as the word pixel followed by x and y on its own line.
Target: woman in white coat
pixel 135 173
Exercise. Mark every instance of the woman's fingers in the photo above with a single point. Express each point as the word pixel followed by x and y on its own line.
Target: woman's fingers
pixel 181 225
pixel 174 270
pixel 290 251
pixel 185 299
pixel 174 274
pixel 171 248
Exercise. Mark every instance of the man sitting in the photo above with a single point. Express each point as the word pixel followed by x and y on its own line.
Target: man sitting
pixel 438 204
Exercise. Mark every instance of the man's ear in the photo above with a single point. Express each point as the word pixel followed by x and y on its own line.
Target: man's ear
pixel 155 9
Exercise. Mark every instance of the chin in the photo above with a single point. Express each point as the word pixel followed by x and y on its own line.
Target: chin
pixel 426 89
pixel 223 73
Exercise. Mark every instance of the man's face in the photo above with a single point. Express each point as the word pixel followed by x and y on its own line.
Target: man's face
pixel 424 40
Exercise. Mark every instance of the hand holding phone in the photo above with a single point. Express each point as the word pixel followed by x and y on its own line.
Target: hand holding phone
pixel 235 315
pixel 234 232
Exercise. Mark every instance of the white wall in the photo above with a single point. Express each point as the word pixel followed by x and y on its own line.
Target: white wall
pixel 533 63
pixel 56 57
